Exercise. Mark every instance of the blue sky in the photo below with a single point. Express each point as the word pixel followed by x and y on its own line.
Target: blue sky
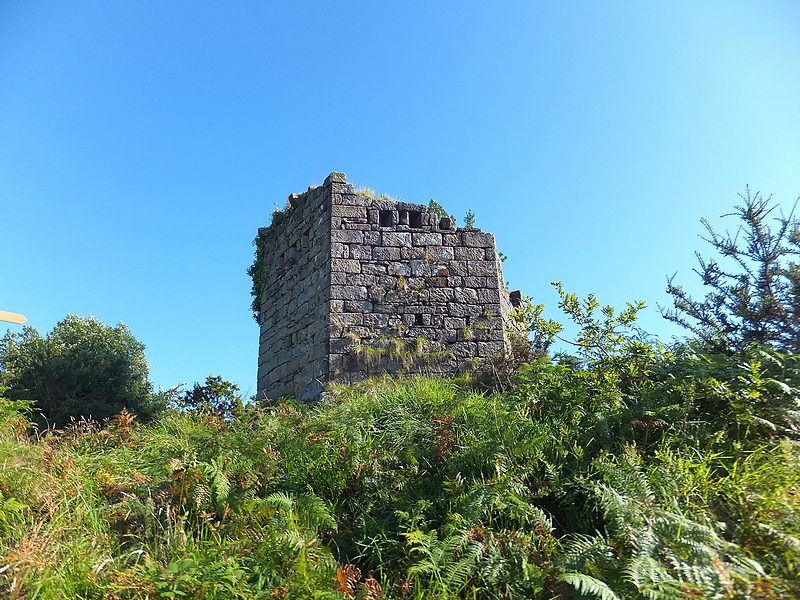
pixel 143 144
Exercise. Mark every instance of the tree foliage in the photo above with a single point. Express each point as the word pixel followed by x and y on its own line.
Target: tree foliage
pixel 81 368
pixel 755 296
pixel 215 395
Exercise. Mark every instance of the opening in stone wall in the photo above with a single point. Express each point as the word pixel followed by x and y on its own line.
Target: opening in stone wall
pixel 415 219
pixel 418 319
pixel 385 218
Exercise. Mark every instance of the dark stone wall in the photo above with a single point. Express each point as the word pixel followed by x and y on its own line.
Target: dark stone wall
pixel 359 285
pixel 293 349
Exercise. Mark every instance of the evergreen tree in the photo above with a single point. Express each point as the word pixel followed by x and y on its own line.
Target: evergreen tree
pixel 757 298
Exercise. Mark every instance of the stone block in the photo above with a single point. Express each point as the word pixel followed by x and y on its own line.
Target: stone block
pixel 477 239
pixel 340 345
pixel 376 320
pixel 481 268
pixel 465 295
pixel 362 279
pixel 454 309
pixel 362 306
pixel 455 323
pixel 464 349
pixel 383 204
pixel 427 239
pixel 373 269
pixel 439 253
pixel 403 269
pixel 354 200
pixel 360 252
pixel 455 281
pixel 441 295
pixel 489 296
pixel 463 253
pixel 457 268
pixel 477 282
pixel 419 268
pixel 379 295
pixel 344 265
pixel 412 253
pixel 394 238
pixel 348 292
pixel 451 239
pixel 336 177
pixel 347 319
pixel 349 211
pixel 380 253
pixel 339 278
pixel 336 363
pixel 347 236
pixel 387 282
pixel 489 349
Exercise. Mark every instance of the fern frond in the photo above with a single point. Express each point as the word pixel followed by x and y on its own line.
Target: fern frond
pixel 586 584
pixel 581 550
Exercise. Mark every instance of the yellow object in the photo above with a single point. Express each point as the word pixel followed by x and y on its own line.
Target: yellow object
pixel 12 317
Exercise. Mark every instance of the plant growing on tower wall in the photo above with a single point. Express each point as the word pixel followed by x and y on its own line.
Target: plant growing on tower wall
pixel 256 273
pixel 437 209
pixel 469 220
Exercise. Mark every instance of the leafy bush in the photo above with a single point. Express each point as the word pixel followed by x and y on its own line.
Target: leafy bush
pixel 81 368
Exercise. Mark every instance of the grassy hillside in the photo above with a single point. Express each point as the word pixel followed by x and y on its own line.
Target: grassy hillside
pixel 637 473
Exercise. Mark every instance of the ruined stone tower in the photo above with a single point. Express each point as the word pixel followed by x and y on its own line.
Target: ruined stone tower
pixel 354 285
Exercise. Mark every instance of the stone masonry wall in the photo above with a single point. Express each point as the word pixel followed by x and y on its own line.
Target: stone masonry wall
pixel 409 291
pixel 359 285
pixel 293 345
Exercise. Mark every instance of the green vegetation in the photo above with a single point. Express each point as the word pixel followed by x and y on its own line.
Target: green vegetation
pixel 622 470
pixel 81 368
pixel 754 294
pixel 469 219
pixel 257 275
pixel 436 209
pixel 632 474
pixel 368 192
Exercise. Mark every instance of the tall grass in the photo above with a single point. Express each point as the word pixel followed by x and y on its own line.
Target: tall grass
pixel 579 482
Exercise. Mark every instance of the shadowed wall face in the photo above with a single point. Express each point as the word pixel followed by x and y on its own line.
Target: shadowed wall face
pixel 356 285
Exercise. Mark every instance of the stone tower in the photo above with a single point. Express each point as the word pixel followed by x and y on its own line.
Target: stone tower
pixel 354 285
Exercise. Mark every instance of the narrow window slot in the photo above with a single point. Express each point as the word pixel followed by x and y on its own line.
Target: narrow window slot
pixel 385 218
pixel 415 219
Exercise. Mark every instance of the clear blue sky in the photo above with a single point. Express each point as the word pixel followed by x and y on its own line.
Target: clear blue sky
pixel 143 143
